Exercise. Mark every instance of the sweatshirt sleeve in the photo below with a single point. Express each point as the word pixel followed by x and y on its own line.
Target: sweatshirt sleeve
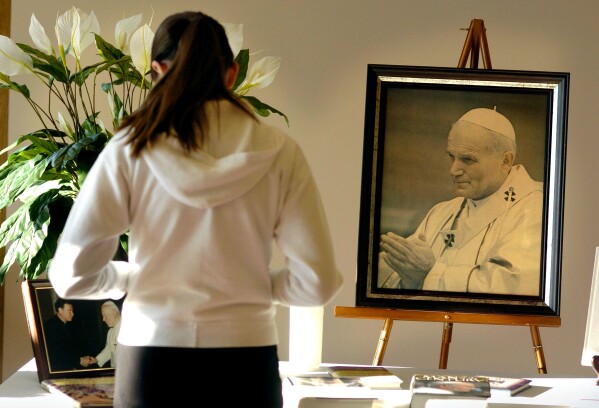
pixel 311 277
pixel 82 266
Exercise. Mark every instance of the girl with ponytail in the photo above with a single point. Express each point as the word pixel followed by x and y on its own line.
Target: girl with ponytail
pixel 204 189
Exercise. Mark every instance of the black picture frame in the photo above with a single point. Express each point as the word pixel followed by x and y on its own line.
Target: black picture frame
pixel 409 111
pixel 87 331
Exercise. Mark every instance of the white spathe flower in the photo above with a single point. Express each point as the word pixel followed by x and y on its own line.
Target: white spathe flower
pixel 89 27
pixel 13 60
pixel 67 25
pixel 141 48
pixel 111 104
pixel 39 37
pixel 115 115
pixel 261 73
pixel 101 125
pixel 123 31
pixel 64 125
pixel 235 36
pixel 75 31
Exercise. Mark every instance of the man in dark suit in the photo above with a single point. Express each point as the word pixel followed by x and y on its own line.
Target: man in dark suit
pixel 63 352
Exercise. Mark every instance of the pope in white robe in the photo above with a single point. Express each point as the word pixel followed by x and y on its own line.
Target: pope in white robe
pixel 489 238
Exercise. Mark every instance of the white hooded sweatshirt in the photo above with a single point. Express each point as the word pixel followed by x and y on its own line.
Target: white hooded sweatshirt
pixel 201 229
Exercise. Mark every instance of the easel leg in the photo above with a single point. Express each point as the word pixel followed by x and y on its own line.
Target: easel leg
pixel 445 342
pixel 538 349
pixel 383 340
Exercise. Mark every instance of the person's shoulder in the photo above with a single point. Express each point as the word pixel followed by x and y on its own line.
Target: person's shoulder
pixel 120 138
pixel 50 319
pixel 267 136
pixel 51 322
pixel 118 148
pixel 276 136
pixel 525 183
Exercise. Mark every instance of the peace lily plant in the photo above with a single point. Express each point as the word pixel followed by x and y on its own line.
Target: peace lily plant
pixel 46 168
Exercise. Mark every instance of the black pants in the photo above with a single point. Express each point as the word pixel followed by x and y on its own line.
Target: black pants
pixel 167 377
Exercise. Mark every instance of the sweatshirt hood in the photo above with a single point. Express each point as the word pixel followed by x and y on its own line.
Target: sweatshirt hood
pixel 237 154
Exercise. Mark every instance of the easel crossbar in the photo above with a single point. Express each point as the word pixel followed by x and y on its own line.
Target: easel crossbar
pixel 450 317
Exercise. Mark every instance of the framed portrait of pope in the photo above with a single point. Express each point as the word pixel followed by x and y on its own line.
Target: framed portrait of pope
pixel 462 190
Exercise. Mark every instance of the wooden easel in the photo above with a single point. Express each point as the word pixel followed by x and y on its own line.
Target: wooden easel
pixel 448 319
pixel 476 40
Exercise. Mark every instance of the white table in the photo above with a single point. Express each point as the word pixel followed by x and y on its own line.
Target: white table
pixel 545 391
pixel 22 390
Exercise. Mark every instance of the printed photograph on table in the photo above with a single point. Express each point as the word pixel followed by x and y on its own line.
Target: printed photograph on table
pixel 94 392
pixel 71 338
pixel 462 195
pixel 425 388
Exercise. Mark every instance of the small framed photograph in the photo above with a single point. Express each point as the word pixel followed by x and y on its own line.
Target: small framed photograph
pixel 70 338
pixel 462 194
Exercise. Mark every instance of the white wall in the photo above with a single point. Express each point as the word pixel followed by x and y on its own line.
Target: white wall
pixel 325 46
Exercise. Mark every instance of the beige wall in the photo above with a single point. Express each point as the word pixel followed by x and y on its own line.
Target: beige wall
pixel 325 46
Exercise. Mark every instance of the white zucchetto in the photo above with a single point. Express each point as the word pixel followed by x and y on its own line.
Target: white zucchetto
pixel 490 119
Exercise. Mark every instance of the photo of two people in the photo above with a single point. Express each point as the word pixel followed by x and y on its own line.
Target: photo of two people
pixel 76 335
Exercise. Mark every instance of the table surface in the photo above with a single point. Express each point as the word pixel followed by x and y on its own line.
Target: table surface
pixel 22 390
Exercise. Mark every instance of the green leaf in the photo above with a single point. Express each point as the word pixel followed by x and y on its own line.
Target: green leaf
pixel 28 246
pixel 262 108
pixel 118 64
pixel 59 207
pixel 90 125
pixel 37 264
pixel 123 249
pixel 242 59
pixel 38 209
pixel 116 110
pixel 47 182
pixel 122 69
pixel 107 87
pixel 132 76
pixel 107 51
pixel 43 138
pixel 34 52
pixel 81 76
pixel 20 177
pixel 55 71
pixel 85 161
pixel 68 154
pixel 40 255
pixel 43 145
pixel 47 63
pixel 22 89
pixel 12 227
pixel 123 65
pixel 36 246
pixel 18 156
pixel 9 258
pixel 40 261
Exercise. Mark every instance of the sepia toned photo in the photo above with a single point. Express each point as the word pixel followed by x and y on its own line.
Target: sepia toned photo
pixel 462 190
pixel 71 338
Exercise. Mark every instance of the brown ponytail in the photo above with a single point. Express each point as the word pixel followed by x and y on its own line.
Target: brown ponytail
pixel 200 53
